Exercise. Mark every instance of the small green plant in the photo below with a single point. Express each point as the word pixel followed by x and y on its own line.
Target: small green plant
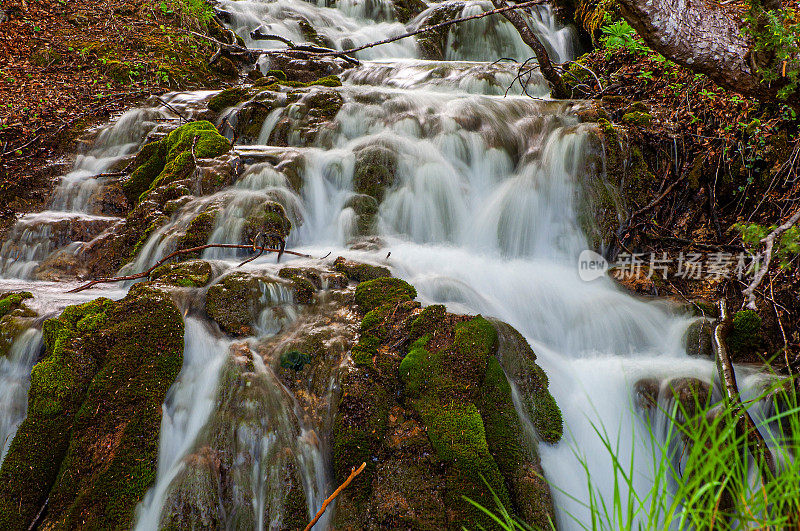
pixel 776 33
pixel 621 35
pixel 786 247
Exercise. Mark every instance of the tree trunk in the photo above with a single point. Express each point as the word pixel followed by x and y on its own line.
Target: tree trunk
pixel 559 89
pixel 704 37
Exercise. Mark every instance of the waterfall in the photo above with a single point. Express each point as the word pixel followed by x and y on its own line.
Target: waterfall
pixel 15 370
pixel 483 214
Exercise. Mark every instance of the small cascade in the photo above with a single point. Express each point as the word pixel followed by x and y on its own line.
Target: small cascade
pixel 188 406
pixel 15 369
pixel 81 208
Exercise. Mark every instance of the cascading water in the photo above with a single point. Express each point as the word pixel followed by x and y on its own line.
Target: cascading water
pixel 15 372
pixel 483 215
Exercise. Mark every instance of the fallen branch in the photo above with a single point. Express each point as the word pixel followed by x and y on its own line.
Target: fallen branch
pixel 146 274
pixel 344 54
pixel 745 426
pixel 769 242
pixel 353 473
pixel 559 89
pixel 173 109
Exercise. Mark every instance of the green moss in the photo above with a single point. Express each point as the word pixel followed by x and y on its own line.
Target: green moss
pixel 13 301
pixel 90 442
pixel 227 98
pixel 199 230
pixel 279 74
pixel 295 360
pixel 373 293
pixel 427 321
pixel 374 171
pixel 745 337
pixel 192 274
pixel 269 220
pixel 359 428
pixel 637 118
pixel 303 290
pixel 171 159
pixel 230 303
pixel 312 275
pixel 359 272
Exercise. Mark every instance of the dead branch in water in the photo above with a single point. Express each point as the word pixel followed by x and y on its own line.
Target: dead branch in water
pixel 144 274
pixel 353 473
pixel 755 442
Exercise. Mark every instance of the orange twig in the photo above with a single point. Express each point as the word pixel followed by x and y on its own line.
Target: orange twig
pixel 351 477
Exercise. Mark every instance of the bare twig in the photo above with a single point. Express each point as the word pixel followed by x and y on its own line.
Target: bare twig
pixel 173 109
pixel 769 242
pixel 353 473
pixel 179 252
pixel 657 200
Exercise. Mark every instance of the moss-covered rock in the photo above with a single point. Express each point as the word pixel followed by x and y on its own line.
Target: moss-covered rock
pixel 374 171
pixel 231 303
pixel 13 301
pixel 637 118
pixel 365 208
pixel 168 160
pixel 451 382
pixel 374 293
pixel 406 10
pixel 190 274
pixel 199 230
pixel 270 221
pixel 89 444
pixel 15 318
pixel 237 300
pixel 359 272
pixel 744 337
pixel 228 98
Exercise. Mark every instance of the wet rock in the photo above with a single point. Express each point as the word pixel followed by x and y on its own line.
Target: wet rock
pixel 692 395
pixel 360 272
pixel 646 393
pixel 237 300
pixel 295 360
pixel 110 200
pixel 311 117
pixel 439 430
pixel 407 10
pixel 190 274
pixel 94 414
pixel 15 318
pixel 173 158
pixel 268 220
pixel 248 457
pixel 698 338
pixel 433 44
pixel 374 171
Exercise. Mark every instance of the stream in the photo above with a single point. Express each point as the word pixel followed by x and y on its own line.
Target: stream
pixel 487 214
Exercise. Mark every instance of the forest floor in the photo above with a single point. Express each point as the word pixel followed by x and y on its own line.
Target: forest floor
pixel 68 65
